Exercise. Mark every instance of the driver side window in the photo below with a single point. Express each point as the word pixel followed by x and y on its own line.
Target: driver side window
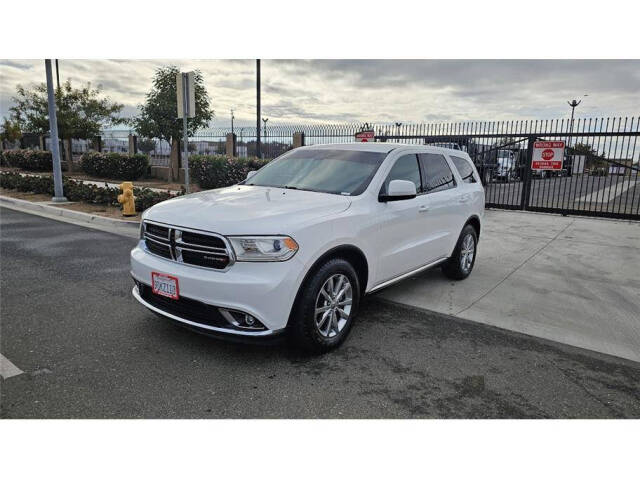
pixel 405 168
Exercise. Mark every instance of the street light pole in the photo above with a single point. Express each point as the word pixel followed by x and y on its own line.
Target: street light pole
pixel 573 104
pixel 258 152
pixel 55 147
pixel 232 117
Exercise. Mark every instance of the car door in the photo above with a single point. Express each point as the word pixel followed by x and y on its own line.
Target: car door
pixel 442 204
pixel 401 236
pixel 470 193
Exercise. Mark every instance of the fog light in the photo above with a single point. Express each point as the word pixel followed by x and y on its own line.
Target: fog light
pixel 241 320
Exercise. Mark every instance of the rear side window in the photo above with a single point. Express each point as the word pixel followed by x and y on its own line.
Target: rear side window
pixel 436 171
pixel 464 168
pixel 405 168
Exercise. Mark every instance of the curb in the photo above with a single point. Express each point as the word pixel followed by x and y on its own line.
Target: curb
pixel 71 216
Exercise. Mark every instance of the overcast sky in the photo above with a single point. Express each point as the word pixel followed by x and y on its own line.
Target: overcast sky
pixel 302 91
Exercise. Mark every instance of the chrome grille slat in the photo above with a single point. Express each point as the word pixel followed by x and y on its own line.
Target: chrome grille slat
pixel 199 255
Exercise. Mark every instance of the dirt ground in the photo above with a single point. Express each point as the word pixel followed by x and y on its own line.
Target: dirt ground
pixel 100 210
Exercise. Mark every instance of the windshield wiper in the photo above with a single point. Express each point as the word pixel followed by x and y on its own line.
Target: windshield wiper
pixel 288 187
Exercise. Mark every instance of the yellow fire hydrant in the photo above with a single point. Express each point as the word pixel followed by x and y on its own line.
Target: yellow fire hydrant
pixel 127 200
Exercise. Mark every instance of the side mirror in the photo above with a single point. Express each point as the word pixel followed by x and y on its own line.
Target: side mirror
pixel 250 174
pixel 399 190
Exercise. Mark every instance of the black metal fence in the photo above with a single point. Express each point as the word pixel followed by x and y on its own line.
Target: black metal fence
pixel 600 174
pixel 599 177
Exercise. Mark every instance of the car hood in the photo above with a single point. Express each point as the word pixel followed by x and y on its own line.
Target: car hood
pixel 243 209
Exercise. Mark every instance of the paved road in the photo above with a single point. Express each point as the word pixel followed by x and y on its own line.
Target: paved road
pixel 89 351
pixel 613 194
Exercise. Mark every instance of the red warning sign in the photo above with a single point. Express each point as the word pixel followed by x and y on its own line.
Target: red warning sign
pixel 367 135
pixel 547 155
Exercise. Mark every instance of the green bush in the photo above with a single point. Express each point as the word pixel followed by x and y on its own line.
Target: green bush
pixel 33 160
pixel 79 191
pixel 117 166
pixel 217 171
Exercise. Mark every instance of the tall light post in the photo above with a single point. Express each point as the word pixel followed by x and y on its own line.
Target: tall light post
pixel 573 104
pixel 258 149
pixel 232 117
pixel 55 147
pixel 265 120
pixel 398 125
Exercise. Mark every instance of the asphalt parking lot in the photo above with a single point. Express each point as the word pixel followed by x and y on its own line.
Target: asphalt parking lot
pixel 88 350
pixel 613 194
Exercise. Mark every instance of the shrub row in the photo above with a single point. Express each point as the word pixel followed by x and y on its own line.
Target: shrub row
pixel 117 166
pixel 32 160
pixel 216 171
pixel 79 191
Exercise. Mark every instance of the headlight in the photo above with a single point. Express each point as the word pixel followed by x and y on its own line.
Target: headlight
pixel 263 248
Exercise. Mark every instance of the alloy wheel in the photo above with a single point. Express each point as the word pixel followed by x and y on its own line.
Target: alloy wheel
pixel 467 253
pixel 333 305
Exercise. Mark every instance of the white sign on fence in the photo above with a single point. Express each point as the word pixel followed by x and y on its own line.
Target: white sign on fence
pixel 186 80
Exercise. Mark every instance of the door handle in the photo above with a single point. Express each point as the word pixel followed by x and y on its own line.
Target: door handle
pixel 423 208
pixel 464 199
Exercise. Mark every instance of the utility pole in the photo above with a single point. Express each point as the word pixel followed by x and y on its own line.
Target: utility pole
pixel 232 117
pixel 258 152
pixel 55 147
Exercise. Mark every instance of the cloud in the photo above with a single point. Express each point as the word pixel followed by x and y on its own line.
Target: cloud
pixel 298 91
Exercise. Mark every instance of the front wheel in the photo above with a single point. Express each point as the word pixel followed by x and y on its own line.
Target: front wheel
pixel 326 306
pixel 461 263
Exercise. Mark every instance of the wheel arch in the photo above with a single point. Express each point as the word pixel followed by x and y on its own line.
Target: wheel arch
pixel 474 221
pixel 349 252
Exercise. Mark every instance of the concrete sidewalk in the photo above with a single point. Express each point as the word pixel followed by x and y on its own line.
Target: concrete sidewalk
pixel 569 279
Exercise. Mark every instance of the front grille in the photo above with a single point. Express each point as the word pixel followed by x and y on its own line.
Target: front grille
pixel 206 259
pixel 158 248
pixel 206 250
pixel 202 240
pixel 185 308
pixel 159 231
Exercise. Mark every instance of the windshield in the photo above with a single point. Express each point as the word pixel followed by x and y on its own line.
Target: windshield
pixel 341 172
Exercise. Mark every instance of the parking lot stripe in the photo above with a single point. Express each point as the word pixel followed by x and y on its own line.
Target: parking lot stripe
pixel 8 369
pixel 604 195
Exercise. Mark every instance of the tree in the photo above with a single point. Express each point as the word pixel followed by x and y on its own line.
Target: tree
pixel 10 130
pixel 146 145
pixel 158 116
pixel 81 112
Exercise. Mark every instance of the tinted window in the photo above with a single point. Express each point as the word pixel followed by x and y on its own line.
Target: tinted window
pixel 464 168
pixel 437 174
pixel 405 168
pixel 346 172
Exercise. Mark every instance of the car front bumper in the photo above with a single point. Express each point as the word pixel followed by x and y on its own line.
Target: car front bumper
pixel 266 291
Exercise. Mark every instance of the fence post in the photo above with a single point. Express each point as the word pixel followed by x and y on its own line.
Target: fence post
pixel 298 139
pixel 133 144
pixel 527 177
pixel 68 151
pixel 231 145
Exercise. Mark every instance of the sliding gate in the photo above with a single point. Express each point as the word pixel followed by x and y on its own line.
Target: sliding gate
pixel 600 174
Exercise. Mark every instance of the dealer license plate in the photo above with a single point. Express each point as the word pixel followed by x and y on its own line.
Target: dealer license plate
pixel 165 285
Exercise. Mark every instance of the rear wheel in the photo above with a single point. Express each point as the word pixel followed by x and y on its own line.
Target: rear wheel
pixel 327 304
pixel 460 265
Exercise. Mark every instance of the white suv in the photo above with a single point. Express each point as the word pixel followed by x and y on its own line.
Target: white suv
pixel 295 246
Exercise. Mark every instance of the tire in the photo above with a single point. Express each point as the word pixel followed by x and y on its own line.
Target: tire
pixel 455 268
pixel 309 329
